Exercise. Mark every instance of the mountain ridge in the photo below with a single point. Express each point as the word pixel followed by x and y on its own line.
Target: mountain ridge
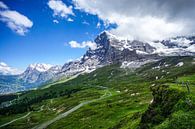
pixel 110 50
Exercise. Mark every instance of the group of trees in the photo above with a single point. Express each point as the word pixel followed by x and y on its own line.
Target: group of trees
pixel 24 103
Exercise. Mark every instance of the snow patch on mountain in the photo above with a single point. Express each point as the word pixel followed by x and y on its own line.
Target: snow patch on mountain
pixel 41 67
pixel 179 64
pixel 178 46
pixel 135 64
pixel 39 73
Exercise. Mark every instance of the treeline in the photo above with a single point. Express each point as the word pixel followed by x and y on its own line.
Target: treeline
pixel 9 97
pixel 25 102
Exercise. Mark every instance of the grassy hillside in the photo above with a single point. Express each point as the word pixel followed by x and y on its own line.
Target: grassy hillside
pixel 153 96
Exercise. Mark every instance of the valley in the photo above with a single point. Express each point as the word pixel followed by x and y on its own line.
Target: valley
pixel 97 64
pixel 133 91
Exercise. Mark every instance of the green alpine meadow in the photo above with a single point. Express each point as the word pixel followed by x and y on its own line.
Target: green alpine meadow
pixel 111 98
pixel 97 64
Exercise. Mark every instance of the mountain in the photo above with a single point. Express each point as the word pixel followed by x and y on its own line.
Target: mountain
pixel 110 50
pixel 37 74
pixel 49 74
pixel 32 77
pixel 31 74
pixel 6 70
pixel 130 53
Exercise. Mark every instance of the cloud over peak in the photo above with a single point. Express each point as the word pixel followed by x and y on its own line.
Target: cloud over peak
pixel 143 19
pixel 75 44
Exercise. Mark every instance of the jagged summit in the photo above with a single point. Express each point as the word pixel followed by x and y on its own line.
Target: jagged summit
pixel 106 39
pixel 41 67
pixel 39 73
pixel 107 34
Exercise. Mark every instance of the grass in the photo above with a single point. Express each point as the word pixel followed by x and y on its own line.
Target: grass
pixel 105 113
pixel 131 97
pixel 52 107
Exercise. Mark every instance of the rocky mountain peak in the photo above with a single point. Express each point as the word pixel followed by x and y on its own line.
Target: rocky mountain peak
pixel 41 67
pixel 39 72
pixel 102 40
pixel 106 39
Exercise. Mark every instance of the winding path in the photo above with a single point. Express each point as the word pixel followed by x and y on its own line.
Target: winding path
pixel 60 116
pixel 15 120
pixel 44 125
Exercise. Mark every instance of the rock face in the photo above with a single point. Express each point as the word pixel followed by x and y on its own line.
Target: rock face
pixel 110 49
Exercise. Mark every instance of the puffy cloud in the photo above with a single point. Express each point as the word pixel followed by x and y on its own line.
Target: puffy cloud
pixel 60 9
pixel 85 23
pixel 143 19
pixel 55 21
pixel 75 44
pixel 15 21
pixel 98 25
pixel 70 20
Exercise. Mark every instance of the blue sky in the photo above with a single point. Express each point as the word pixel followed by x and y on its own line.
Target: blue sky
pixel 45 41
pixel 55 31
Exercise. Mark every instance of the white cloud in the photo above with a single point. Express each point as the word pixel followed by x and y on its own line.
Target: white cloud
pixel 70 20
pixel 75 44
pixel 3 6
pixel 85 23
pixel 55 21
pixel 60 9
pixel 145 20
pixel 16 21
pixel 6 70
pixel 147 28
pixel 98 25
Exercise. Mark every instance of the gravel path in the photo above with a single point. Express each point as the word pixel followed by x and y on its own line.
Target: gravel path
pixel 15 120
pixel 44 125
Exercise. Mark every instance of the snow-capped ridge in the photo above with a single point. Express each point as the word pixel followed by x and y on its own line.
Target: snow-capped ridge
pixel 41 67
pixel 176 46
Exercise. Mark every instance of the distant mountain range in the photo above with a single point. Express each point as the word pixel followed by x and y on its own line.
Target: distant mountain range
pixel 33 76
pixel 110 50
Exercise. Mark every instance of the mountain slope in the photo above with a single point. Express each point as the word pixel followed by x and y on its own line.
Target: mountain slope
pixel 131 96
